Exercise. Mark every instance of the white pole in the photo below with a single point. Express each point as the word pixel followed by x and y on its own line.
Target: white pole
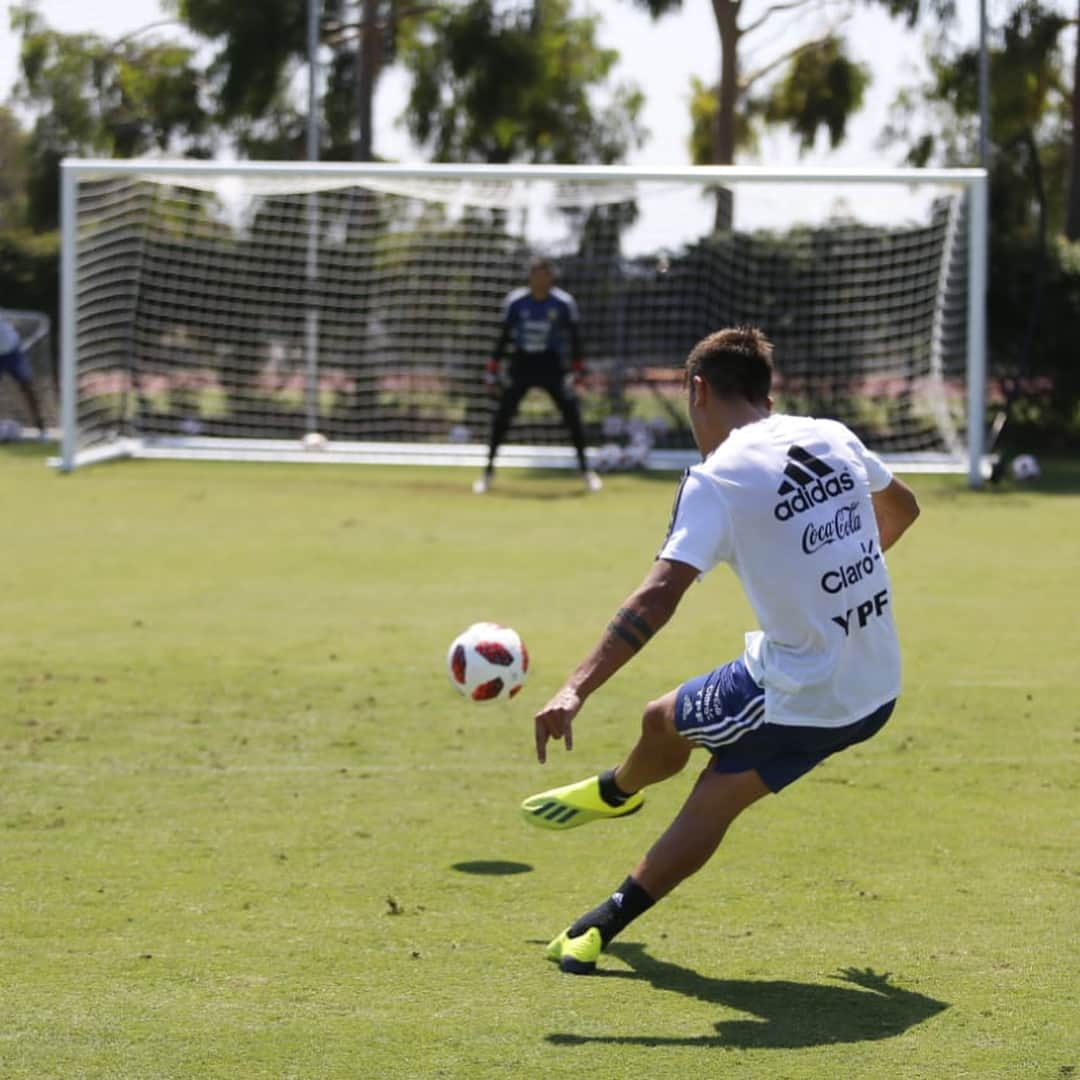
pixel 976 331
pixel 69 338
pixel 975 470
pixel 311 318
pixel 313 12
pixel 984 90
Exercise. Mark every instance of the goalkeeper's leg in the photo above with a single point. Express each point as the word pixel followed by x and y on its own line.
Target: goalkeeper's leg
pixel 567 403
pixel 505 412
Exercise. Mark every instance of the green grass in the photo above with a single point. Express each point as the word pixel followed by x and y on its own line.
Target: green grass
pixel 249 830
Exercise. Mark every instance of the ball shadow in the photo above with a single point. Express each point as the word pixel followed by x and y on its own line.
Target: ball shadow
pixel 492 867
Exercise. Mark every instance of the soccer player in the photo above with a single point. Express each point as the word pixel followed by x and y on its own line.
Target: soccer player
pixel 542 323
pixel 13 361
pixel 803 513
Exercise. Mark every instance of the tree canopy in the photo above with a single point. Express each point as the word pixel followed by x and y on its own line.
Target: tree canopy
pixel 519 85
pixel 91 96
pixel 808 85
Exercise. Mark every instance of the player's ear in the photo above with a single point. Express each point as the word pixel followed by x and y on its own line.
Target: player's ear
pixel 699 390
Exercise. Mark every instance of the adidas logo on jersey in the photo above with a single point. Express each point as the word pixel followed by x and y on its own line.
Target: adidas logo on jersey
pixel 808 482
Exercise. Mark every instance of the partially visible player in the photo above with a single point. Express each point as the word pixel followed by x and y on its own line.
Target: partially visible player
pixel 13 361
pixel 803 513
pixel 540 321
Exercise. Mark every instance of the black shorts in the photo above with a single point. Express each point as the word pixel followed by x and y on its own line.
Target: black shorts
pixel 543 369
pixel 724 712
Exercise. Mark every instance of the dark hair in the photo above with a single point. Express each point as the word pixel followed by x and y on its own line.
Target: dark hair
pixel 539 262
pixel 736 362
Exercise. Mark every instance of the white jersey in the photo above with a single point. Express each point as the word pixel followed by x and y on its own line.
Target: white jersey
pixel 786 501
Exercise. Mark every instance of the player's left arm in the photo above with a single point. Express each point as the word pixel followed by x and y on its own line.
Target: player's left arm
pixel 631 628
pixel 573 333
pixel 895 508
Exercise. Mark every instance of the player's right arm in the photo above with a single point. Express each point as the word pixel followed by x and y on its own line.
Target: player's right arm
pixel 640 616
pixel 493 368
pixel 896 509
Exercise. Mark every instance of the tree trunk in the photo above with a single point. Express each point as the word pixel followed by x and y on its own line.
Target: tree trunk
pixel 368 56
pixel 725 119
pixel 727 13
pixel 1072 208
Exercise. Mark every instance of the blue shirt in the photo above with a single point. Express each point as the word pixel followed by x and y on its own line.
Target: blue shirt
pixel 540 326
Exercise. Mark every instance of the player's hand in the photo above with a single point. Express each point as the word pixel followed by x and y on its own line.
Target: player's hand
pixel 492 381
pixel 556 721
pixel 575 377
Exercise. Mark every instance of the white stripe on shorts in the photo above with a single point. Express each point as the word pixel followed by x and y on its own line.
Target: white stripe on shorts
pixel 751 706
pixel 729 729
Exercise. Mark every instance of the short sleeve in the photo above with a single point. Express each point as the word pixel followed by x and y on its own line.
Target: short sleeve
pixel 877 472
pixel 699 533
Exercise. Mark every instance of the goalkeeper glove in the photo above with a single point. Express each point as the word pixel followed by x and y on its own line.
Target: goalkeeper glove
pixel 577 373
pixel 491 377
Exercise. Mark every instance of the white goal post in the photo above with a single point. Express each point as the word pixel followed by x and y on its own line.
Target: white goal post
pixel 344 312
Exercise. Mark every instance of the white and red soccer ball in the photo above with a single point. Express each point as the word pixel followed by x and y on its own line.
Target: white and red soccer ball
pixel 487 662
pixel 1025 468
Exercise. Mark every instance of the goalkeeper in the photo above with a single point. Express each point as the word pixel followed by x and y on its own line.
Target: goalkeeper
pixel 541 322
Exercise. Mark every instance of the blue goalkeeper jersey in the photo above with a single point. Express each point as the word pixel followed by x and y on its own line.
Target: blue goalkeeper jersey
pixel 540 326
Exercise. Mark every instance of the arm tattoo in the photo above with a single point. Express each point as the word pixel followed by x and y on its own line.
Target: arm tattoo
pixel 631 627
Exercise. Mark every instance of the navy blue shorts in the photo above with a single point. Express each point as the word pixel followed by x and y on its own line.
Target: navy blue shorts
pixel 16 364
pixel 724 711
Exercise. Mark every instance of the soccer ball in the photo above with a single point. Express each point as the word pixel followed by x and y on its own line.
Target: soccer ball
pixel 313 440
pixel 487 662
pixel 1024 467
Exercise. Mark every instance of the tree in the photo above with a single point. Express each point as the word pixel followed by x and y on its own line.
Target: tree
pixel 806 86
pixel 13 170
pixel 938 122
pixel 261 46
pixel 1034 284
pixel 517 85
pixel 93 97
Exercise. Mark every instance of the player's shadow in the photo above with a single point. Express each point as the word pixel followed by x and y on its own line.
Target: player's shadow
pixel 864 1007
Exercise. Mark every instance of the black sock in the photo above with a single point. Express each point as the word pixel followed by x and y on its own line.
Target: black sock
pixel 610 792
pixel 620 909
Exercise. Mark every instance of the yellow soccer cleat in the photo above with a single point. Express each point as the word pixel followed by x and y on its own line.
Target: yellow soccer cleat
pixel 575 804
pixel 576 955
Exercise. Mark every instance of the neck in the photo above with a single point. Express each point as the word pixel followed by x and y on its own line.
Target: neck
pixel 728 416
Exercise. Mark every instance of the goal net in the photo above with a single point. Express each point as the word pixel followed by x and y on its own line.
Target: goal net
pixel 231 310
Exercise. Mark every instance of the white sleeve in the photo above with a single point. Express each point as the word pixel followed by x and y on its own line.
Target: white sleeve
pixel 700 530
pixel 877 472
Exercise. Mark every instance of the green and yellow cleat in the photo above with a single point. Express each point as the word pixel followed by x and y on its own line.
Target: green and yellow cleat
pixel 575 804
pixel 576 955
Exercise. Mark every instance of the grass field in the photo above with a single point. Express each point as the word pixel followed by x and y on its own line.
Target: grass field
pixel 250 831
